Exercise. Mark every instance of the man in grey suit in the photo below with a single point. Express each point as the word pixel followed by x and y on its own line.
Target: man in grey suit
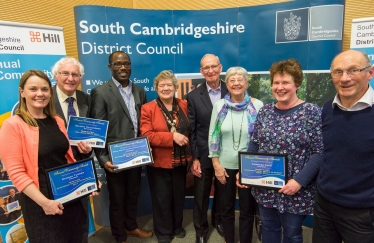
pixel 118 101
pixel 68 73
pixel 200 105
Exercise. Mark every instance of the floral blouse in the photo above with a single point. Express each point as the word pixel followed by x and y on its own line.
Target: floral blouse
pixel 298 134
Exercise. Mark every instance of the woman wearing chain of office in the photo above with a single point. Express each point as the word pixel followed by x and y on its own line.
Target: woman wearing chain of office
pixel 231 127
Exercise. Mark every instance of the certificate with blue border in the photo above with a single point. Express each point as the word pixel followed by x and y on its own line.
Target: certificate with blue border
pixel 263 169
pixel 90 130
pixel 73 181
pixel 13 206
pixel 130 153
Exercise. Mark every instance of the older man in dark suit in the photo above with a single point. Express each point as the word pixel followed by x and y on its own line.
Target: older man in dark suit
pixel 118 101
pixel 200 105
pixel 13 196
pixel 68 73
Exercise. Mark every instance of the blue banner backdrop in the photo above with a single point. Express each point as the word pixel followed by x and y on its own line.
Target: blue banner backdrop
pixel 251 37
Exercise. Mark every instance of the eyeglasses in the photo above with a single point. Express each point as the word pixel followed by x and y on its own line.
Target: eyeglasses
pixel 213 67
pixel 239 80
pixel 350 72
pixel 67 74
pixel 120 64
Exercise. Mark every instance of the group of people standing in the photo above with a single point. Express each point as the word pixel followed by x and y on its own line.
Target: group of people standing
pixel 329 151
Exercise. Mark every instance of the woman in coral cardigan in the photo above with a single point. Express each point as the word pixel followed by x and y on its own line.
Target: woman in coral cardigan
pixel 32 141
pixel 164 120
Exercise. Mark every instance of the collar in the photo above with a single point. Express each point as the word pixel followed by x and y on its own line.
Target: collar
pixel 62 96
pixel 365 101
pixel 209 88
pixel 118 84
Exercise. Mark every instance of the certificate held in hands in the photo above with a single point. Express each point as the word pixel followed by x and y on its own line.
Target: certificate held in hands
pixel 89 130
pixel 130 153
pixel 263 170
pixel 73 181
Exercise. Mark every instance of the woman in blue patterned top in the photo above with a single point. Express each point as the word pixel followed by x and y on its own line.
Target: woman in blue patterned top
pixel 293 127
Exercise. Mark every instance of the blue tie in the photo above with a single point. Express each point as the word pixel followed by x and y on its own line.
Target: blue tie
pixel 71 112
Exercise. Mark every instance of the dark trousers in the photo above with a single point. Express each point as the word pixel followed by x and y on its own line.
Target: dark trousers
pixel 123 190
pixel 203 186
pixel 167 188
pixel 247 206
pixel 85 201
pixel 334 223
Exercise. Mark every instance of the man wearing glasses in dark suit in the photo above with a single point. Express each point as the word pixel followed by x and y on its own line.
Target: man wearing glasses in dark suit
pixel 200 105
pixel 118 101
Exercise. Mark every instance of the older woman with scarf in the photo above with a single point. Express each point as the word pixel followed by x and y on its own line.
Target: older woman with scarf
pixel 164 120
pixel 231 127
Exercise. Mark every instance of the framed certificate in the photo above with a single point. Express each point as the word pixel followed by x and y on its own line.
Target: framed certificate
pixel 130 153
pixel 90 130
pixel 73 181
pixel 12 206
pixel 263 170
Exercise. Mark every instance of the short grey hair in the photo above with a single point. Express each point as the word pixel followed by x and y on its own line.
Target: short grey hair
pixel 236 70
pixel 201 61
pixel 66 60
pixel 166 74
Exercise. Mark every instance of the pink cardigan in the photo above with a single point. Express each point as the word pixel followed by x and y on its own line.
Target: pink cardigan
pixel 19 144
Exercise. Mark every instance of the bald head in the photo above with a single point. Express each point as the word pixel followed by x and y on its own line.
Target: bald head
pixel 352 55
pixel 209 56
pixel 352 72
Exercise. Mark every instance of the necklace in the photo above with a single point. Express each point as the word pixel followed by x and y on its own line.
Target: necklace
pixel 171 123
pixel 277 105
pixel 236 144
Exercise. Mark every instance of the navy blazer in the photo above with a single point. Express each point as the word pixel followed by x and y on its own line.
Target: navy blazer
pixel 199 113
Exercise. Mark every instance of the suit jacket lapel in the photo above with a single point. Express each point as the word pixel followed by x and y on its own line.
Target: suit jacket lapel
pixel 136 100
pixel 83 108
pixel 114 89
pixel 204 95
pixel 58 105
pixel 224 89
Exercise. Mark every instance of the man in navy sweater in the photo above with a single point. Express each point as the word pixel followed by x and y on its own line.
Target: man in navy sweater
pixel 344 205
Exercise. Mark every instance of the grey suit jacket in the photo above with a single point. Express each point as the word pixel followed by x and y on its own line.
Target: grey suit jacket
pixel 108 104
pixel 83 102
pixel 199 112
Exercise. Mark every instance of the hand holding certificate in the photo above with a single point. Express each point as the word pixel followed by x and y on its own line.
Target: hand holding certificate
pixel 263 170
pixel 130 153
pixel 72 181
pixel 93 131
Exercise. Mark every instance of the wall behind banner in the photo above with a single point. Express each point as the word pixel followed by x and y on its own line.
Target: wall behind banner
pixel 60 13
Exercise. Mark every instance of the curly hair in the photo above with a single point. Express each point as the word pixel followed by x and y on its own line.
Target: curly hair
pixel 290 66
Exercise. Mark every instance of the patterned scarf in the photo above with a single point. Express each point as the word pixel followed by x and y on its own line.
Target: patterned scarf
pixel 245 104
pixel 181 154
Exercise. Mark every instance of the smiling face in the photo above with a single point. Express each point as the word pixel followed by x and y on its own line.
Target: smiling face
pixel 68 78
pixel 211 69
pixel 351 88
pixel 165 90
pixel 12 192
pixel 237 86
pixel 284 88
pixel 37 93
pixel 120 72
